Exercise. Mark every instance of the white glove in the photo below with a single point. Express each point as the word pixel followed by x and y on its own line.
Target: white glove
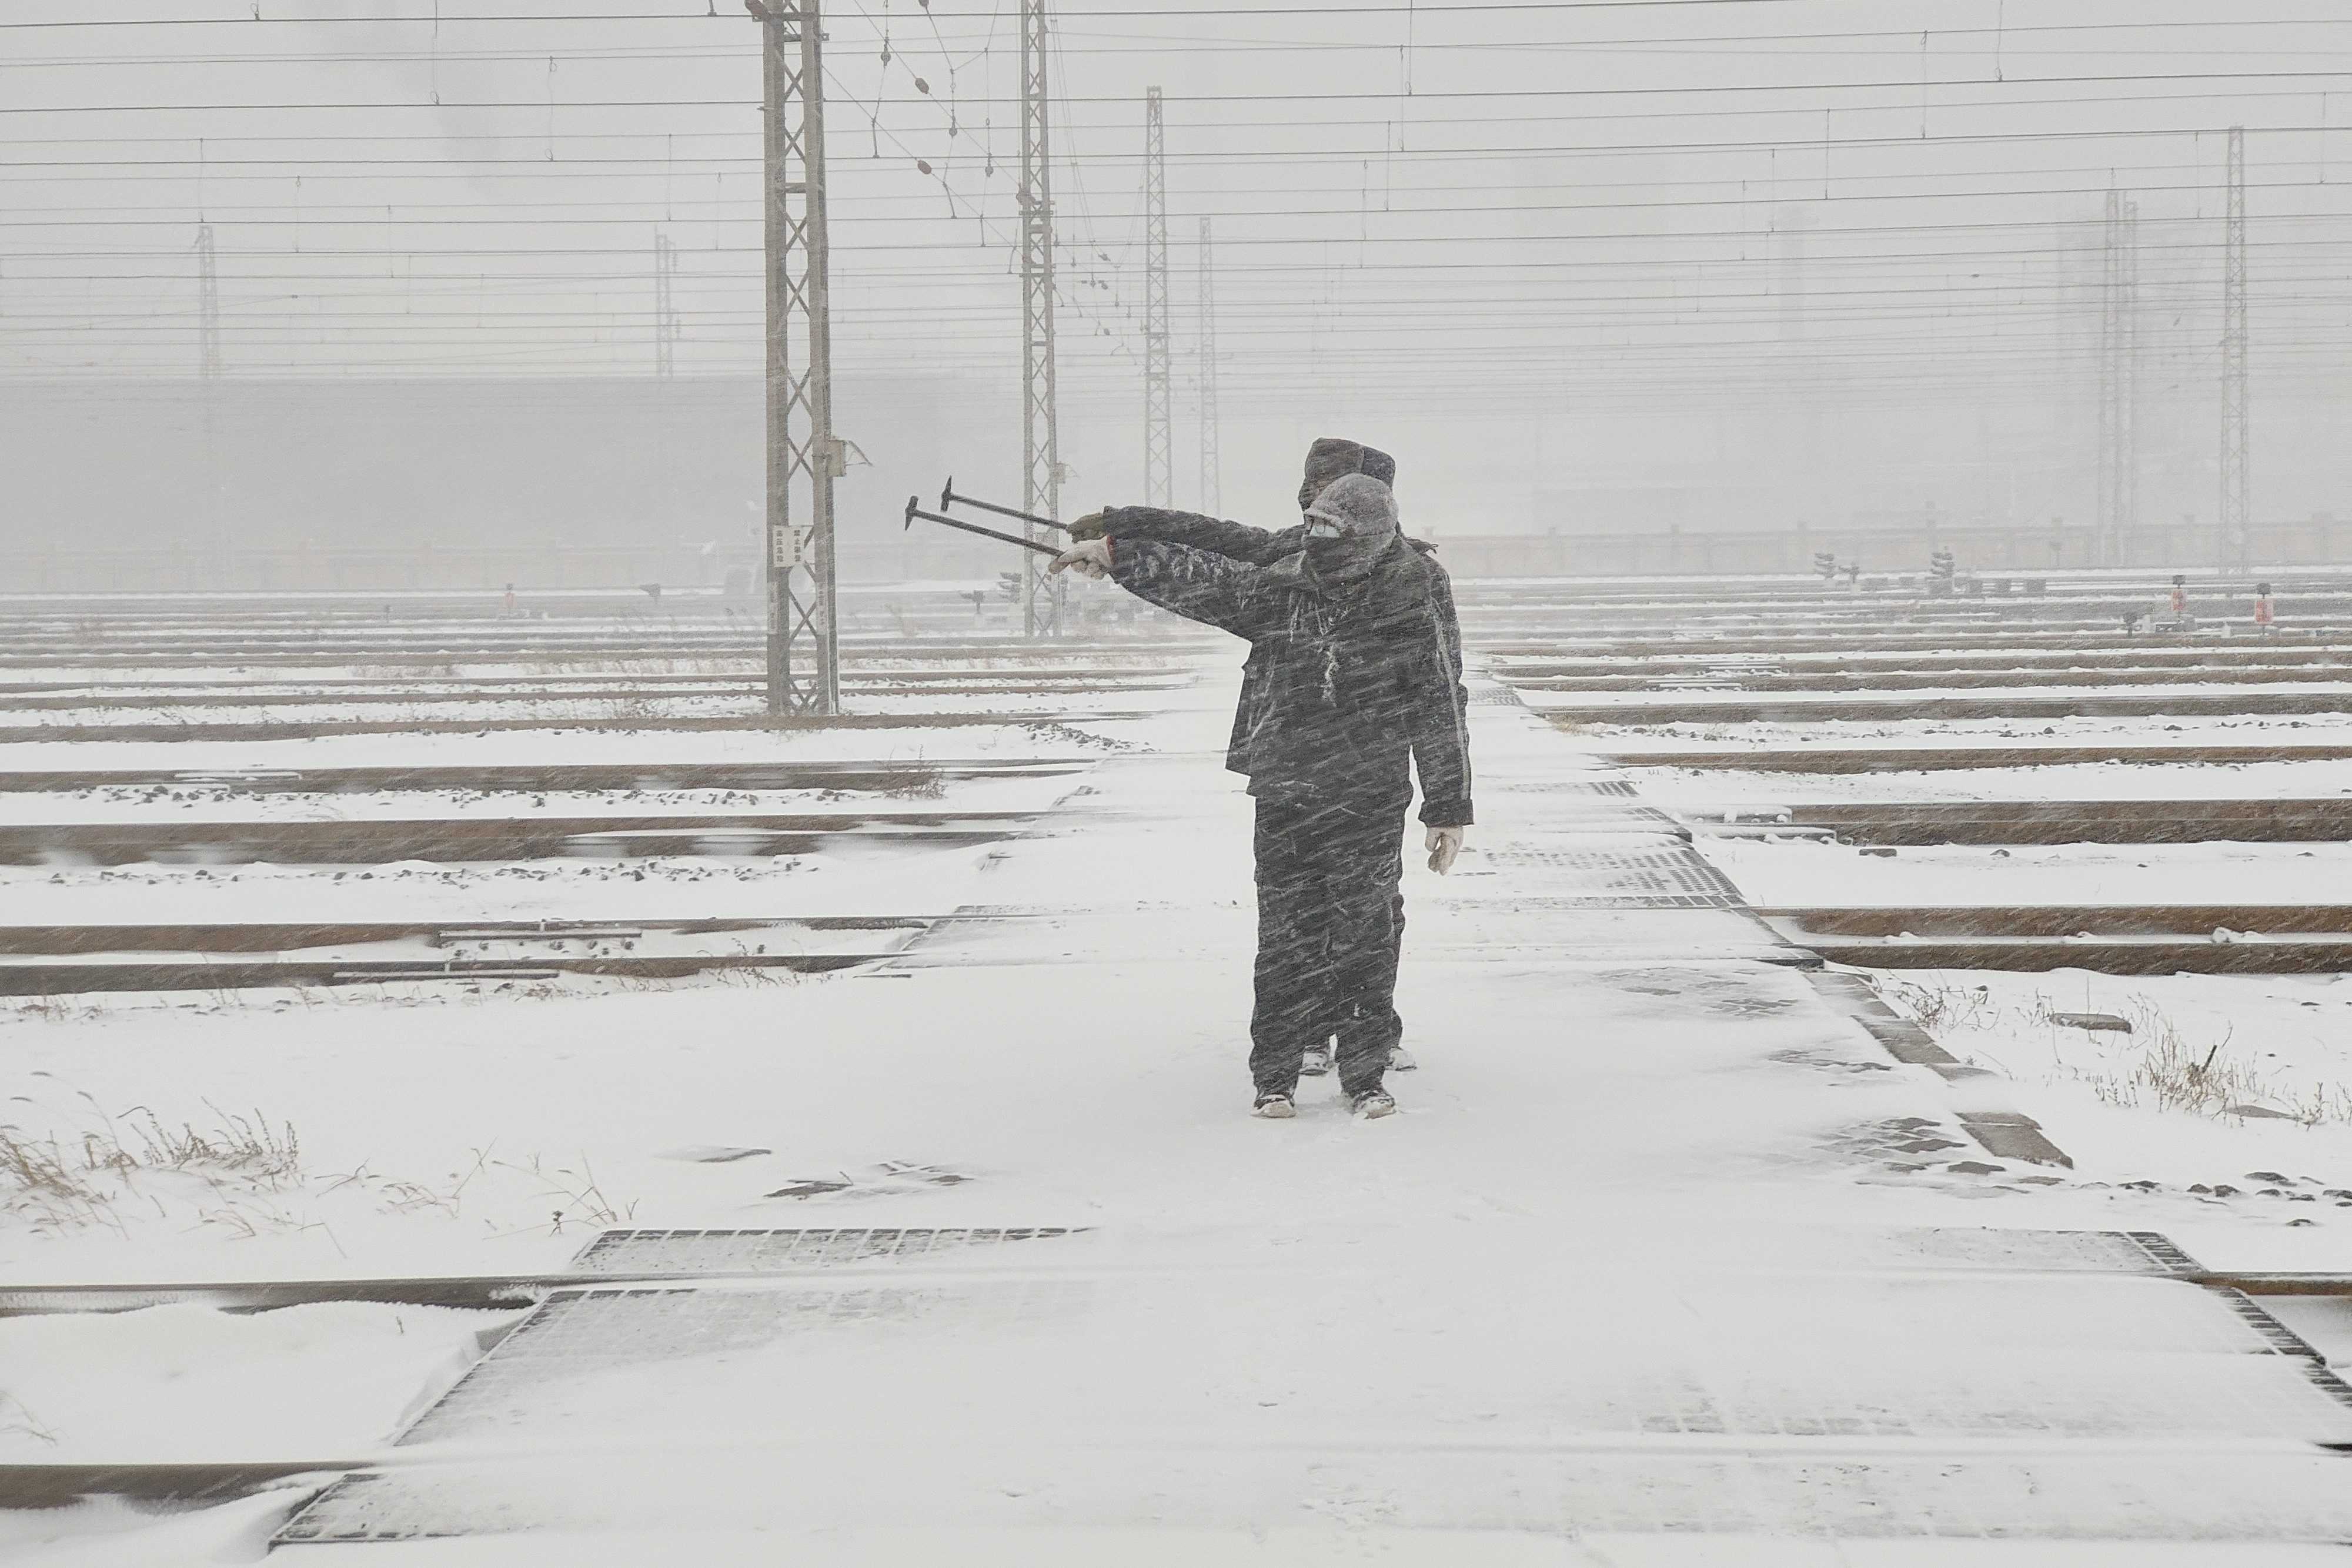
pixel 1445 843
pixel 1091 560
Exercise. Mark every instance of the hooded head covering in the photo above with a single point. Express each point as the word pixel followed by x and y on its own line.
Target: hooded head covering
pixel 1364 512
pixel 1330 457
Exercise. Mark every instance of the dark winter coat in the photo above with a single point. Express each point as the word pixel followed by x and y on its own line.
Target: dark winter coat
pixel 1341 689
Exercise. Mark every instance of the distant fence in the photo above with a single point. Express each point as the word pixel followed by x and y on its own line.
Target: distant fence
pixel 550 564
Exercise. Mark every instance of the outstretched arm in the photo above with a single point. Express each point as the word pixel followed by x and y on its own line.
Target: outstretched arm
pixel 1234 541
pixel 1441 740
pixel 1194 583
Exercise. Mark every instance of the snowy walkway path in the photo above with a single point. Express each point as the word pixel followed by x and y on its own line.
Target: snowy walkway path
pixel 1665 1262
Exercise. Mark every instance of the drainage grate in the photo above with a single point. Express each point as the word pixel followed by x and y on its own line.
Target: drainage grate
pixel 576 1335
pixel 690 1252
pixel 1652 872
pixel 1613 789
pixel 2042 1251
pixel 1494 693
pixel 2284 1341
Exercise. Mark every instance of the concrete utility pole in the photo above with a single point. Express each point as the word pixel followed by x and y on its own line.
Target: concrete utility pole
pixel 1158 416
pixel 2118 381
pixel 1212 466
pixel 804 454
pixel 1041 436
pixel 2237 512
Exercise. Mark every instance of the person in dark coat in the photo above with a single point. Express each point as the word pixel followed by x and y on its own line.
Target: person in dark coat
pixel 1352 687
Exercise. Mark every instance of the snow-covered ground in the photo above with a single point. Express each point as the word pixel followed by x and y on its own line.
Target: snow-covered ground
pixel 1829 732
pixel 1633 1281
pixel 183 805
pixel 556 746
pixel 848 880
pixel 1595 705
pixel 2240 1083
pixel 1700 789
pixel 1800 873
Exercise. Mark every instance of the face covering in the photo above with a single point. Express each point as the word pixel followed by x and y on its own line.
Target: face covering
pixel 1351 527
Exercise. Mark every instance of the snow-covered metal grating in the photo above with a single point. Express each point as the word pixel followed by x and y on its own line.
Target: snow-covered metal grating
pixel 1648 874
pixel 1612 788
pixel 586 1334
pixel 1488 692
pixel 2039 1251
pixel 712 1252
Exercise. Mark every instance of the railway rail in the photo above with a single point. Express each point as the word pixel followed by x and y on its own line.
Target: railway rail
pixel 1930 758
pixel 523 836
pixel 1831 707
pixel 882 777
pixel 2124 821
pixel 2112 939
pixel 311 728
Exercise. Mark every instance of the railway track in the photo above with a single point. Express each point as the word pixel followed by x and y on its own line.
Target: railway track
pixel 1924 758
pixel 1832 708
pixel 525 834
pixel 2014 656
pixel 58 961
pixel 1864 642
pixel 1734 680
pixel 311 728
pixel 2137 939
pixel 521 836
pixel 882 776
pixel 2125 821
pixel 737 694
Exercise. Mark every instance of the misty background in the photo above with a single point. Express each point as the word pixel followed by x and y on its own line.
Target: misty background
pixel 1585 268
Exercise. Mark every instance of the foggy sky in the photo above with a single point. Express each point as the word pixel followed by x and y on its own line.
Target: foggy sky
pixel 1579 267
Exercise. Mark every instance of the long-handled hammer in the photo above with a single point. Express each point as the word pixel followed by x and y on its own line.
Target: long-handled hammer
pixel 914 510
pixel 948 497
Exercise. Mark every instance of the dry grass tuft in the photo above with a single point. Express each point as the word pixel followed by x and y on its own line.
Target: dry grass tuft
pixel 16 1420
pixel 581 1198
pixel 2159 1063
pixel 911 781
pixel 1941 1007
pixel 228 1169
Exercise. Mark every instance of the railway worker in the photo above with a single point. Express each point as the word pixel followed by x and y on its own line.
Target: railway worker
pixel 1353 685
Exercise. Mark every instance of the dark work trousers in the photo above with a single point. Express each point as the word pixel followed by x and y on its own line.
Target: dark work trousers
pixel 1330 923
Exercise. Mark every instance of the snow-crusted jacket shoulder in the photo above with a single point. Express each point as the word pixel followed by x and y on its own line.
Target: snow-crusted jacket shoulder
pixel 1194 530
pixel 1349 694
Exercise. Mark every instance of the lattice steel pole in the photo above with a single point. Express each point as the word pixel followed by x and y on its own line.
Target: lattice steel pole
pixel 2118 380
pixel 665 328
pixel 1211 475
pixel 1040 438
pixel 804 456
pixel 665 336
pixel 208 380
pixel 1159 412
pixel 2237 511
pixel 208 354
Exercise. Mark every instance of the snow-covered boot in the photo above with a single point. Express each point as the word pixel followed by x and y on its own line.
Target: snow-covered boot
pixel 1373 1104
pixel 1315 1062
pixel 1275 1105
pixel 1401 1060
